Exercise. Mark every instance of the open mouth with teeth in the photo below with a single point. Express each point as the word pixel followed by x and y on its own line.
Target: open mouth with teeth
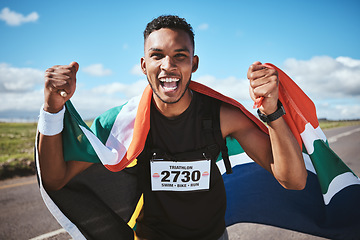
pixel 169 84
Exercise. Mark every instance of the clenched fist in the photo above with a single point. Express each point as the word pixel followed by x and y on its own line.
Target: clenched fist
pixel 264 83
pixel 60 85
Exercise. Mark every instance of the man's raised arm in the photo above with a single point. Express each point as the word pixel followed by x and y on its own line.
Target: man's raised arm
pixel 60 85
pixel 278 152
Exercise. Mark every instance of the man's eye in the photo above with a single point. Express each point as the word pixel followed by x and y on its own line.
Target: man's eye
pixel 156 55
pixel 180 55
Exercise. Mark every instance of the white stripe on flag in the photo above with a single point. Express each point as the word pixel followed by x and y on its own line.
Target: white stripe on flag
pixel 243 158
pixel 122 131
pixel 310 135
pixel 53 208
pixel 235 160
pixel 308 164
pixel 338 183
pixel 107 155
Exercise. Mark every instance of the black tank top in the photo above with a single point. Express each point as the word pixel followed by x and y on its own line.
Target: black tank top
pixel 181 215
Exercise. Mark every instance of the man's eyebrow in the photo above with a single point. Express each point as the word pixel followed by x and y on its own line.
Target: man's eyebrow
pixel 182 50
pixel 155 49
pixel 176 50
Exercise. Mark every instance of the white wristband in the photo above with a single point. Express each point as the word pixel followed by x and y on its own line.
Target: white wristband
pixel 51 124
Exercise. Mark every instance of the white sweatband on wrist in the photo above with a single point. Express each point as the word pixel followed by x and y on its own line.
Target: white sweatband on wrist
pixel 51 124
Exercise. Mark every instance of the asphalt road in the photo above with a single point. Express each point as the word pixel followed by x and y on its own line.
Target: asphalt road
pixel 23 215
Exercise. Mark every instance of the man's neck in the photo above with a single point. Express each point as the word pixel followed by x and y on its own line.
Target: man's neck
pixel 172 110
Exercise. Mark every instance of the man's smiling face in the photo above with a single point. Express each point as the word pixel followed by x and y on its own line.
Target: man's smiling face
pixel 168 63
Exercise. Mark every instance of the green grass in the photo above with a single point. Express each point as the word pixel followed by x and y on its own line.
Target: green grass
pixel 326 124
pixel 17 141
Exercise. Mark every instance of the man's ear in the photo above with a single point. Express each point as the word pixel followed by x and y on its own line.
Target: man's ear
pixel 195 63
pixel 143 65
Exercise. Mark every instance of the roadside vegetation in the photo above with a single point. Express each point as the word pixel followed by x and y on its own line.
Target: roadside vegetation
pixel 17 146
pixel 326 124
pixel 17 149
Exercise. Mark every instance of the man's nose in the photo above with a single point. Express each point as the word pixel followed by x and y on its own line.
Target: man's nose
pixel 168 64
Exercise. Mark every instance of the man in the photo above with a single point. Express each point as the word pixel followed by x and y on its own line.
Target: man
pixel 176 117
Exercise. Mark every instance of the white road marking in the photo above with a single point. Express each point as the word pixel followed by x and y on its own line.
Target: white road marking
pixel 336 137
pixel 48 235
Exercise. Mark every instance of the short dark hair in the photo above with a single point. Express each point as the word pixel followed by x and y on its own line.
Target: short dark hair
pixel 172 22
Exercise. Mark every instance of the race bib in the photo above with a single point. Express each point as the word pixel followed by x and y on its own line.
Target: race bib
pixel 180 176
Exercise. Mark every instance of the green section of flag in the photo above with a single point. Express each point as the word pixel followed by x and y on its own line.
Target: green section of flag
pixel 103 124
pixel 76 146
pixel 234 147
pixel 327 164
pixel 75 143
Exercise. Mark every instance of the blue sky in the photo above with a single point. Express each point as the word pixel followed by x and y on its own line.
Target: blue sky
pixel 315 42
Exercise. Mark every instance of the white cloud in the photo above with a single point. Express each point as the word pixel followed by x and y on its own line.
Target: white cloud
pixel 27 101
pixel 203 26
pixel 233 87
pixel 116 88
pixel 91 103
pixel 326 77
pixel 15 19
pixel 21 93
pixel 136 70
pixel 338 109
pixel 332 83
pixel 230 86
pixel 88 102
pixel 348 61
pixel 19 79
pixel 97 70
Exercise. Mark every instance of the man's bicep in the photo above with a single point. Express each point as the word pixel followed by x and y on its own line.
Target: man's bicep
pixel 254 141
pixel 256 144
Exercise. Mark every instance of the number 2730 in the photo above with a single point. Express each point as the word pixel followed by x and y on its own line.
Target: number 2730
pixel 185 176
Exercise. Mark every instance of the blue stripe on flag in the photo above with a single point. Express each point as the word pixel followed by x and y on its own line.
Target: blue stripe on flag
pixel 253 195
